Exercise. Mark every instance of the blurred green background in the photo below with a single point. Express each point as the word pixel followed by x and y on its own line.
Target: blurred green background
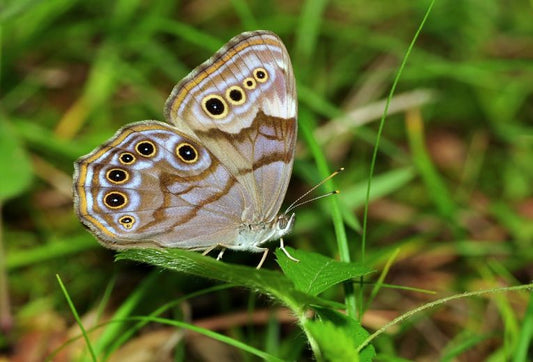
pixel 452 188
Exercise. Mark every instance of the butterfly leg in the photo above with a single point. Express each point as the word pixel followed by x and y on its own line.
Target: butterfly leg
pixel 263 258
pixel 220 253
pixel 282 247
pixel 210 249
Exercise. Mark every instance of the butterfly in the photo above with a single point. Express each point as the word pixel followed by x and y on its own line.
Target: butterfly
pixel 216 174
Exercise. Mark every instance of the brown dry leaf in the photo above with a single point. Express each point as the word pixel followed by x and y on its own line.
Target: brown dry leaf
pixel 525 208
pixel 447 149
pixel 157 345
pixel 205 349
pixel 391 211
pixel 42 334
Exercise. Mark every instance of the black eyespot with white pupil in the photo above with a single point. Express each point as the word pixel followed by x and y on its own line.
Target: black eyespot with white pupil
pixel 215 106
pixel 115 200
pixel 261 75
pixel 187 153
pixel 126 158
pixel 117 176
pixel 145 148
pixel 127 221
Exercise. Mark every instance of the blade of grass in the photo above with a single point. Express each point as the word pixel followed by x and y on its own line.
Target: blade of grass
pixel 52 250
pixel 114 330
pixel 245 14
pixel 436 187
pixel 214 335
pixel 381 278
pixel 525 337
pixel 191 34
pixel 133 329
pixel 438 302
pixel 307 33
pixel 378 138
pixel 336 215
pixel 77 317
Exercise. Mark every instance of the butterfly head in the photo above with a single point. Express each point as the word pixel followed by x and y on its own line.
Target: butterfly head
pixel 253 237
pixel 284 224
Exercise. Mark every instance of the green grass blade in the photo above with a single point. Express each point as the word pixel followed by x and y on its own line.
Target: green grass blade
pixel 336 215
pixel 77 318
pixel 114 330
pixel 525 336
pixel 217 336
pixel 245 14
pixel 380 132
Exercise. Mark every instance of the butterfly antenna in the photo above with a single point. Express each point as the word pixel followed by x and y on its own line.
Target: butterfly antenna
pixel 297 202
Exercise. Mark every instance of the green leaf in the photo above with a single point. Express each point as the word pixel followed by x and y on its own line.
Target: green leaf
pixel 16 166
pixel 264 281
pixel 316 273
pixel 338 335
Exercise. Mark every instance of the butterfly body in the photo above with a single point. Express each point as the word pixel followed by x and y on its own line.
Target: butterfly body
pixel 216 174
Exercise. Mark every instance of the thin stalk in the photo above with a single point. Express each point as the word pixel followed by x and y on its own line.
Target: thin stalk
pixel 378 139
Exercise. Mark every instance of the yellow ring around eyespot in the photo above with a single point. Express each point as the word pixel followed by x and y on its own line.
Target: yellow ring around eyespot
pixel 117 182
pixel 149 142
pixel 127 153
pixel 239 89
pixel 260 80
pixel 219 98
pixel 252 85
pixel 119 206
pixel 183 144
pixel 127 225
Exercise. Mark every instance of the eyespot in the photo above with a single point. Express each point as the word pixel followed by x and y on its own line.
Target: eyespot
pixel 146 148
pixel 215 106
pixel 261 75
pixel 187 152
pixel 126 158
pixel 127 221
pixel 117 176
pixel 249 83
pixel 115 200
pixel 235 95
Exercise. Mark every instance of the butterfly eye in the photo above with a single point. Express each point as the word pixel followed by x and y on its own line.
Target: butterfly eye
pixel 117 176
pixel 126 158
pixel 249 83
pixel 187 153
pixel 261 75
pixel 215 106
pixel 145 148
pixel 235 95
pixel 115 200
pixel 127 221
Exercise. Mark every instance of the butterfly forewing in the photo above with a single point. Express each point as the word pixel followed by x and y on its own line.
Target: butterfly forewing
pixel 241 104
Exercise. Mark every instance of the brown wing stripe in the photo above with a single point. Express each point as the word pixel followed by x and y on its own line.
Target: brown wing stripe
pixel 283 128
